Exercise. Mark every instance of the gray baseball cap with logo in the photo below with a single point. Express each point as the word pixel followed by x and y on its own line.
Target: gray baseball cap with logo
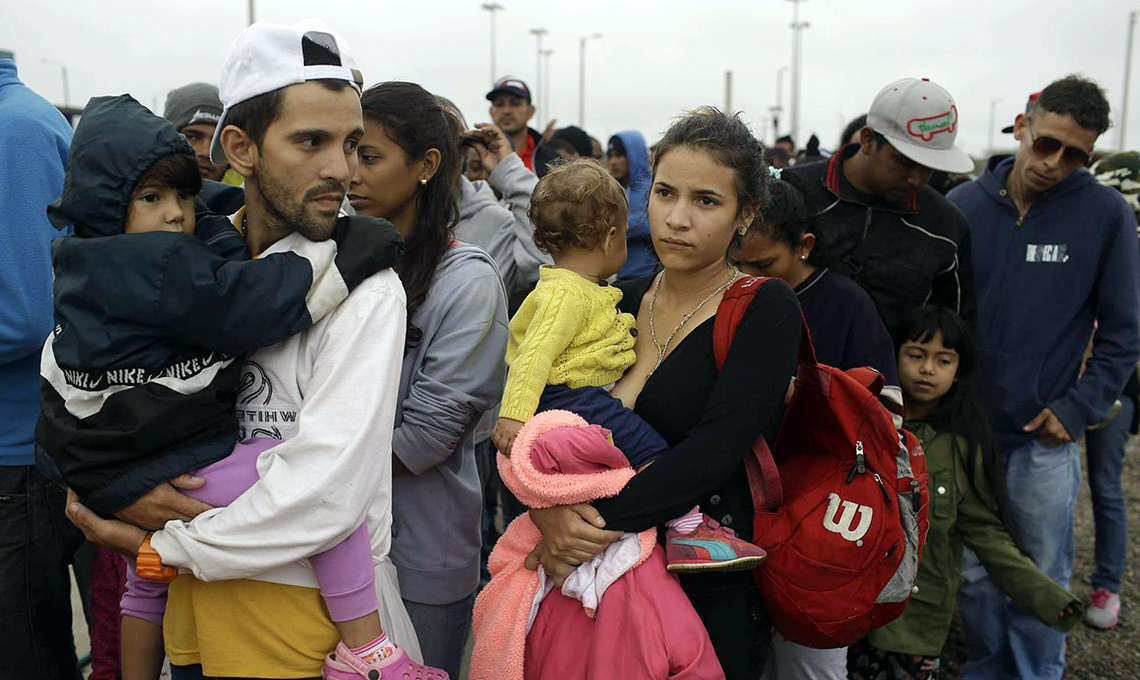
pixel 920 120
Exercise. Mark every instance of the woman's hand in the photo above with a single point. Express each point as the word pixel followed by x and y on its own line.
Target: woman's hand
pixel 110 533
pixel 496 146
pixel 573 534
pixel 557 570
pixel 503 436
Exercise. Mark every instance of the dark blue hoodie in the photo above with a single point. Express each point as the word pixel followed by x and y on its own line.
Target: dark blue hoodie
pixel 1041 283
pixel 642 259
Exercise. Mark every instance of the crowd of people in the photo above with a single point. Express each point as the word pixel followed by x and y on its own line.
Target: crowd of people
pixel 312 379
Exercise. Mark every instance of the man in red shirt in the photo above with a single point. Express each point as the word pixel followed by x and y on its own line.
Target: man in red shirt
pixel 511 110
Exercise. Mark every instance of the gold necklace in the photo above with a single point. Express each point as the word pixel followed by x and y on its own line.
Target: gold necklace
pixel 662 349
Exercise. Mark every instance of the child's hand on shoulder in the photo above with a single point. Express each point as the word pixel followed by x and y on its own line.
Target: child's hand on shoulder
pixel 504 435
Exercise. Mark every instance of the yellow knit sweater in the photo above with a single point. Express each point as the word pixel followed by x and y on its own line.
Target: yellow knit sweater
pixel 567 332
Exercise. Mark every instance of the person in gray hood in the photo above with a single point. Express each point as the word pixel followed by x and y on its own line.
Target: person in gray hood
pixel 499 226
pixel 503 229
pixel 453 368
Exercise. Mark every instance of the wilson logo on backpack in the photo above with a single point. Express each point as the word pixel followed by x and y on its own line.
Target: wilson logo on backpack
pixel 843 526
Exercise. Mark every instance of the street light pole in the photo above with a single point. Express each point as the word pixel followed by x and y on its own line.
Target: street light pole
pixel 63 70
pixel 582 77
pixel 779 107
pixel 797 53
pixel 993 115
pixel 251 14
pixel 538 33
pixel 1127 79
pixel 546 81
pixel 491 8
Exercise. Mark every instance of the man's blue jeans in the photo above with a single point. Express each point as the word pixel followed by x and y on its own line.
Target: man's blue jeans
pixel 1106 465
pixel 1042 484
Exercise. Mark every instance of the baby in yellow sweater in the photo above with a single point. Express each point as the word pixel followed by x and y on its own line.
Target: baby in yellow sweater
pixel 569 343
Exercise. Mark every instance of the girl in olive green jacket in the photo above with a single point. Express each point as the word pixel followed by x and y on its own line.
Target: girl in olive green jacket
pixel 938 366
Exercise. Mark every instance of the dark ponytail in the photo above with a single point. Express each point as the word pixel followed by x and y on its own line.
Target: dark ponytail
pixel 415 121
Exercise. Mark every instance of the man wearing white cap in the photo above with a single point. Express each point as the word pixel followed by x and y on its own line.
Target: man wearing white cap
pixel 246 603
pixel 878 221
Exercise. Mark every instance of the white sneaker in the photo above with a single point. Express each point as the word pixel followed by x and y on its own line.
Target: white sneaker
pixel 1103 610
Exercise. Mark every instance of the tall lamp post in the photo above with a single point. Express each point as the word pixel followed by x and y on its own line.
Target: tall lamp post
pixel 1127 79
pixel 582 77
pixel 797 53
pixel 993 115
pixel 63 70
pixel 538 33
pixel 546 82
pixel 779 107
pixel 491 8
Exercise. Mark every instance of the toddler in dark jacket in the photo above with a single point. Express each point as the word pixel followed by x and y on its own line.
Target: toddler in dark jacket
pixel 156 307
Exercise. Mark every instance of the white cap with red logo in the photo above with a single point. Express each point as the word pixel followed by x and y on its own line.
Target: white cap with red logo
pixel 920 120
pixel 267 57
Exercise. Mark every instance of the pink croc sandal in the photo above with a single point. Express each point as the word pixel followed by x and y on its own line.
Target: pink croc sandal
pixel 342 664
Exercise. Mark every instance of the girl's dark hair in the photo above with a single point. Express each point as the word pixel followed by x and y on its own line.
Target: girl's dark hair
pixel 415 121
pixel 728 139
pixel 177 171
pixel 960 410
pixel 785 216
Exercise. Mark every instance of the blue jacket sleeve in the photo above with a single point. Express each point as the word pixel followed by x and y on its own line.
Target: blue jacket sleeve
pixel 32 158
pixel 1116 344
pixel 460 377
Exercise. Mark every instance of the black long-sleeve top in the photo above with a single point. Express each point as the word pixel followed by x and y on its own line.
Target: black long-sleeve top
pixel 710 419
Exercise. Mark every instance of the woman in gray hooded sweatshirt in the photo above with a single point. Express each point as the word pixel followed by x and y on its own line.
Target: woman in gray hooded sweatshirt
pixel 453 366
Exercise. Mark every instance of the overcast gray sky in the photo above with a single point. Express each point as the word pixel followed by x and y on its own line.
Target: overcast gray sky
pixel 654 60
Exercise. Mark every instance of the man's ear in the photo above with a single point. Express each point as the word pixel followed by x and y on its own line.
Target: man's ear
pixel 529 111
pixel 867 140
pixel 240 150
pixel 1019 125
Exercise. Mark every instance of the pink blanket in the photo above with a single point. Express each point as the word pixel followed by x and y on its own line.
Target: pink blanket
pixel 559 459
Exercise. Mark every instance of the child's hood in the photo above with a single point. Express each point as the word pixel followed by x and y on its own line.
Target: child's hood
pixel 116 141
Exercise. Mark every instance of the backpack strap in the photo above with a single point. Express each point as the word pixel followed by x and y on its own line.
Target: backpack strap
pixel 763 475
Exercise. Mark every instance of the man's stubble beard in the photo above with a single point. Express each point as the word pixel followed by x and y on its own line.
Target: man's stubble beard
pixel 286 215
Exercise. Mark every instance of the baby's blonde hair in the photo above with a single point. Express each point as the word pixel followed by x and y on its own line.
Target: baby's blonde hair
pixel 575 205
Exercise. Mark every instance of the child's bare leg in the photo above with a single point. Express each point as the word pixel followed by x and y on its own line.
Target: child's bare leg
pixel 140 649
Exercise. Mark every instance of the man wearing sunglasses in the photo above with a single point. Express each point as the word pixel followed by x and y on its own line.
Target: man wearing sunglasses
pixel 1053 252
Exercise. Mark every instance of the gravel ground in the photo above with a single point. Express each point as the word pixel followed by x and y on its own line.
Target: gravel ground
pixel 1092 654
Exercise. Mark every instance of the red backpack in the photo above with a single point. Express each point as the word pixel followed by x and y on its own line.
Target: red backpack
pixel 840 500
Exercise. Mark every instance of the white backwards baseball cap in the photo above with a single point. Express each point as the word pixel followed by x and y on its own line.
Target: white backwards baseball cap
pixel 920 120
pixel 267 57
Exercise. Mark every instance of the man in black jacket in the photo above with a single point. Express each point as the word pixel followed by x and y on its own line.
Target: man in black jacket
pixel 878 221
